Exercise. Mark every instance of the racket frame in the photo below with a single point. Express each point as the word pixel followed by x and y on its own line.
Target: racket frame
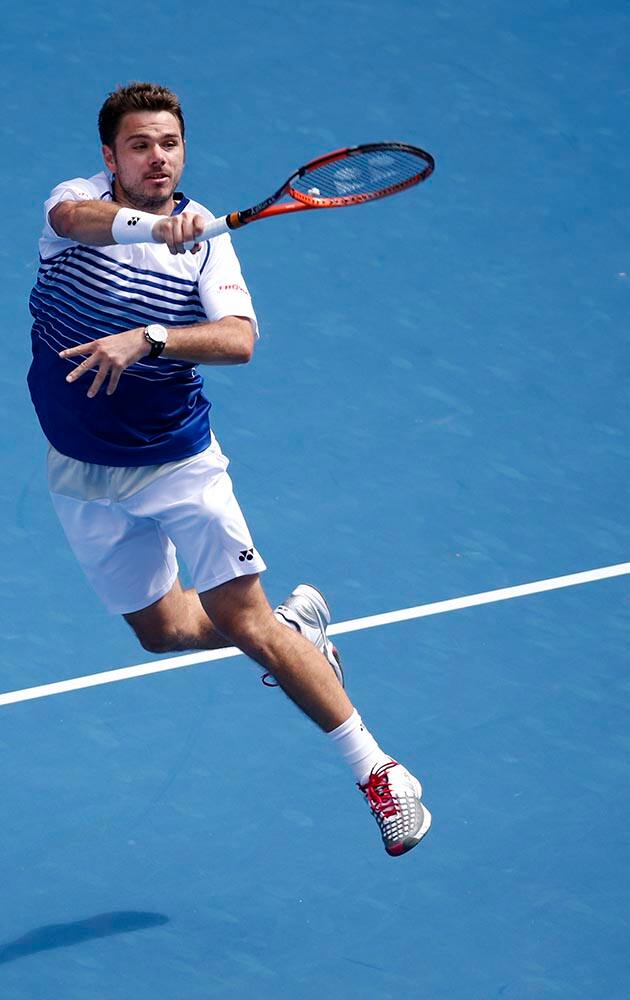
pixel 303 202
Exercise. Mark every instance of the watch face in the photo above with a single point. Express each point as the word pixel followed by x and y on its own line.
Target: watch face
pixel 157 333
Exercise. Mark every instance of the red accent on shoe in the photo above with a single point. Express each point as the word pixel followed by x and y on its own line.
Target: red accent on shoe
pixel 396 850
pixel 378 792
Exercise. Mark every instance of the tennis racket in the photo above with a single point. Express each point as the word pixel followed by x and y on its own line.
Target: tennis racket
pixel 346 177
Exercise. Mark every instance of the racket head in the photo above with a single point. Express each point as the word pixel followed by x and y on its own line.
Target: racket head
pixel 359 173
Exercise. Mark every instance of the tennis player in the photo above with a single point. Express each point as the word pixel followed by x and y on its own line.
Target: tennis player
pixel 123 315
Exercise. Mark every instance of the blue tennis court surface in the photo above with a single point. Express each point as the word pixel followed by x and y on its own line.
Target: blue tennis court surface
pixel 437 407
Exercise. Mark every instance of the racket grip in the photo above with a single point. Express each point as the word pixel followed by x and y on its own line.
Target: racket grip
pixel 215 228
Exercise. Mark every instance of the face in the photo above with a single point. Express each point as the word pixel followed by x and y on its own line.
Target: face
pixel 147 158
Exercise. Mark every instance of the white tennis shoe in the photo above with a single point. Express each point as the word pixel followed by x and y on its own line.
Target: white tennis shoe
pixel 393 795
pixel 306 609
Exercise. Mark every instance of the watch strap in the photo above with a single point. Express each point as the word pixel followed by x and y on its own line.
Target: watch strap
pixel 156 348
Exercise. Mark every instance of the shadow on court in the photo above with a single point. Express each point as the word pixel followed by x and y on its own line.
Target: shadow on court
pixel 77 931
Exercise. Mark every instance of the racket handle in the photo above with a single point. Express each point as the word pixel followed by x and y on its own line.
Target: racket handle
pixel 214 228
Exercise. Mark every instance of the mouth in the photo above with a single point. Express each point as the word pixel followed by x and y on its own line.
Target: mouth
pixel 158 178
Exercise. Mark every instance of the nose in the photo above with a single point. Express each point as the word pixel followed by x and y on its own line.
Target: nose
pixel 157 154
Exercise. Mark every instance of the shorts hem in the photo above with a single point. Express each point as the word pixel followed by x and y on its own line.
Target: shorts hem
pixel 146 602
pixel 232 574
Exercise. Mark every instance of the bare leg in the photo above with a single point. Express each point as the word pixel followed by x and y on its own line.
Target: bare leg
pixel 241 612
pixel 238 613
pixel 176 622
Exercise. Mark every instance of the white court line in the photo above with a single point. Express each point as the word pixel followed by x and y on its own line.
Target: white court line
pixel 355 625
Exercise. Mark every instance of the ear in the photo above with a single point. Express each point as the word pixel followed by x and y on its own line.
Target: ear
pixel 109 158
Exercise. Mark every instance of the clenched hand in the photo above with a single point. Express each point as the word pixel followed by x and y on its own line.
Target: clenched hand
pixel 176 230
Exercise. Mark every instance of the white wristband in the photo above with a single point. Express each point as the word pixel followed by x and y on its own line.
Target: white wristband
pixel 130 226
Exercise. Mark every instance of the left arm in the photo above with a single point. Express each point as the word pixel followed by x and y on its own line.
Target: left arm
pixel 228 341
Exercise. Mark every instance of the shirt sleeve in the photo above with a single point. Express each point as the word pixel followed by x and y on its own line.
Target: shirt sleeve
pixel 78 189
pixel 222 288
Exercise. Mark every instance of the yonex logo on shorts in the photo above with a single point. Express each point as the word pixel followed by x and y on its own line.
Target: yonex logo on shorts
pixel 246 555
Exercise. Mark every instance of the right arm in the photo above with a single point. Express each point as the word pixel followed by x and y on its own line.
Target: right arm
pixel 90 223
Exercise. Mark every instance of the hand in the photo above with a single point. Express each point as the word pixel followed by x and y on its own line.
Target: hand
pixel 179 229
pixel 111 355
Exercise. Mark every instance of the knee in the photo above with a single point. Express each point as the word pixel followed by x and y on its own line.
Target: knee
pixel 164 641
pixel 240 612
pixel 244 629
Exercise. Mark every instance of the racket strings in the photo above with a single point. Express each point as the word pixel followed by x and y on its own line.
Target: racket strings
pixel 363 174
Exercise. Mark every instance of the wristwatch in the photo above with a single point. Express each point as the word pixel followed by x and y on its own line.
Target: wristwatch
pixel 156 335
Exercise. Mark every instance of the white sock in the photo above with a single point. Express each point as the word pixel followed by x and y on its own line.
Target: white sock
pixel 358 747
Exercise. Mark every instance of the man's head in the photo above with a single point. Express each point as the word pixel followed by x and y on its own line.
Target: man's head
pixel 142 131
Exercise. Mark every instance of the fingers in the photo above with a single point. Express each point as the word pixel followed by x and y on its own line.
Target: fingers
pixel 80 369
pixel 180 229
pixel 109 356
pixel 105 367
pixel 71 352
pixel 113 380
pixel 89 365
pixel 98 381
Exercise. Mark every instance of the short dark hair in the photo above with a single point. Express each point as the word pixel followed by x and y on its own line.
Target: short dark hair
pixel 135 97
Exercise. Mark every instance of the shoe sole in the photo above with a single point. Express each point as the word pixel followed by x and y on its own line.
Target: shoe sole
pixel 409 843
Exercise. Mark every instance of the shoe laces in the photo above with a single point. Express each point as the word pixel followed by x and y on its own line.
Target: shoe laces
pixel 378 792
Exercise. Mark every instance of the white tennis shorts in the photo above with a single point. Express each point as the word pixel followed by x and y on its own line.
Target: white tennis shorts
pixel 125 526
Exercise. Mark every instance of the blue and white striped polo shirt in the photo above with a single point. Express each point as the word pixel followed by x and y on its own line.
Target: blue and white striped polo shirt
pixel 158 413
